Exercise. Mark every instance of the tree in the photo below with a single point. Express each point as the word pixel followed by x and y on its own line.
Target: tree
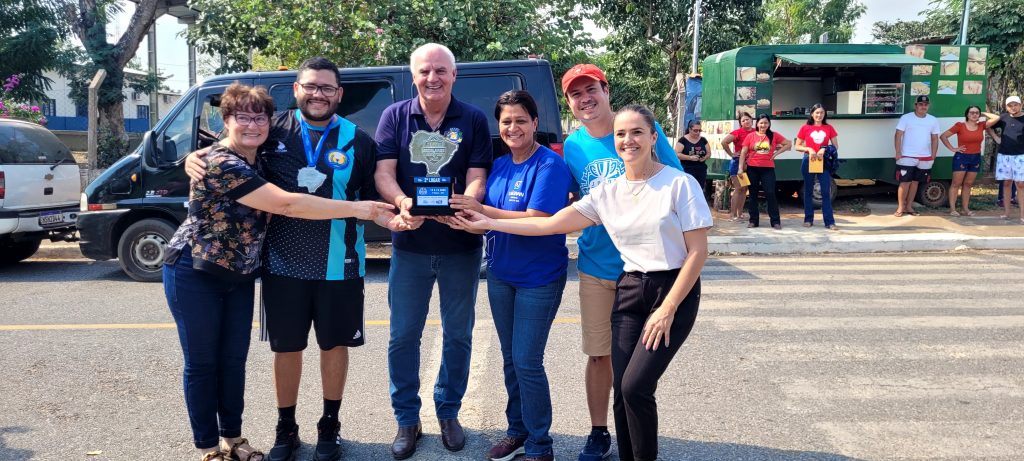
pixel 31 43
pixel 900 32
pixel 379 32
pixel 651 42
pixel 89 19
pixel 791 21
pixel 995 23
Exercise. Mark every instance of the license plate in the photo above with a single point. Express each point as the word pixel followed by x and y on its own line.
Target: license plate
pixel 50 218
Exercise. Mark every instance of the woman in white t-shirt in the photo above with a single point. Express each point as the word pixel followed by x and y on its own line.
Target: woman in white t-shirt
pixel 658 220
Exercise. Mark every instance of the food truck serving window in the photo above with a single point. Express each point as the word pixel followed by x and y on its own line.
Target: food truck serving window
pixel 815 59
pixel 868 85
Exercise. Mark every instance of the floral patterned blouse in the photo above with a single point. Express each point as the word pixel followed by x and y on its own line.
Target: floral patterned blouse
pixel 226 236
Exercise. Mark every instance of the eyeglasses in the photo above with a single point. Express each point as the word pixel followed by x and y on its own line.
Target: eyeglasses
pixel 326 90
pixel 259 120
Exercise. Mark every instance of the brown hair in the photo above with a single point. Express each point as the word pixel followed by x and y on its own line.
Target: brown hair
pixel 245 98
pixel 648 117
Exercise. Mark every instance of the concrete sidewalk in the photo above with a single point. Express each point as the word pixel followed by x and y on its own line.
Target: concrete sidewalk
pixel 877 231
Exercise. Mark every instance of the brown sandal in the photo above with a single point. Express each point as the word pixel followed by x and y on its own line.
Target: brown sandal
pixel 214 456
pixel 233 454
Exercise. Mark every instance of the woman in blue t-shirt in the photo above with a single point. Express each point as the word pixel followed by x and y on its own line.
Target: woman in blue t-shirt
pixel 525 275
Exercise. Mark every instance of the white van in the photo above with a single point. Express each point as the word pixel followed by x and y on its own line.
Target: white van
pixel 39 189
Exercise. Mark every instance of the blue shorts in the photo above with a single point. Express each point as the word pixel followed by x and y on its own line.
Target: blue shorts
pixel 734 166
pixel 970 163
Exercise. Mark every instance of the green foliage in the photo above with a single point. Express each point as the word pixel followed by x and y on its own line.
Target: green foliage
pixel 651 42
pixel 32 32
pixel 11 107
pixel 789 21
pixel 900 32
pixel 110 146
pixel 996 23
pixel 377 32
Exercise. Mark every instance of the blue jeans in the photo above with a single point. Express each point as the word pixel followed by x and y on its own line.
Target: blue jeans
pixel 214 321
pixel 410 283
pixel 522 317
pixel 825 179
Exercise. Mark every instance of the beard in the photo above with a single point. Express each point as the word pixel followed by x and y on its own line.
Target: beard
pixel 308 115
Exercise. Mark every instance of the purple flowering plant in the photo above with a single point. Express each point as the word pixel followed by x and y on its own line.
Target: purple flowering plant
pixel 10 108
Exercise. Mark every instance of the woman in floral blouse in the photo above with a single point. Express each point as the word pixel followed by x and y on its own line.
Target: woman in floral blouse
pixel 211 266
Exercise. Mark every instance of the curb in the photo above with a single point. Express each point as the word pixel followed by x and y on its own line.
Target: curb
pixel 58 251
pixel 743 245
pixel 881 243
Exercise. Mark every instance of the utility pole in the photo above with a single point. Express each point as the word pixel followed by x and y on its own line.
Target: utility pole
pixel 94 119
pixel 696 35
pixel 967 17
pixel 154 94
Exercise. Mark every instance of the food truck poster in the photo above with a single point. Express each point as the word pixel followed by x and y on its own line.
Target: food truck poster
pixel 957 80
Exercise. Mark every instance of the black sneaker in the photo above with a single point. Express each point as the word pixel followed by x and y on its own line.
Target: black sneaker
pixel 598 447
pixel 285 444
pixel 328 440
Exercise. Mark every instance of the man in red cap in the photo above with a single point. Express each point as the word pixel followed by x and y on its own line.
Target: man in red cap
pixel 590 154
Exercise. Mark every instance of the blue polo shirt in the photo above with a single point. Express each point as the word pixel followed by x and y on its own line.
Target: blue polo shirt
pixel 540 183
pixel 464 125
pixel 593 162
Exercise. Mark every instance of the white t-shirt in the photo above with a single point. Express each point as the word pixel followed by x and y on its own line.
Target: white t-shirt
pixel 917 134
pixel 647 228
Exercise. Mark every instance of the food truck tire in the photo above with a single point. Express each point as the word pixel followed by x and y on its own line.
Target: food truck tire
pixel 816 195
pixel 933 194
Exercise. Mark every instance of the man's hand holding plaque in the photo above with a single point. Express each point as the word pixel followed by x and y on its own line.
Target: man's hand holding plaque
pixel 432 192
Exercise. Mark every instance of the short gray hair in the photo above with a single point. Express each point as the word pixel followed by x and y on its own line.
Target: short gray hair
pixel 423 49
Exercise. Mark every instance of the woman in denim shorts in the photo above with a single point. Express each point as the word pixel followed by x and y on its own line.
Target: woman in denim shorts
pixel 967 156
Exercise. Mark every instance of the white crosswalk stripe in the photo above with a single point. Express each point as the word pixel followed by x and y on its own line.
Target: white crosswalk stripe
pixel 878 357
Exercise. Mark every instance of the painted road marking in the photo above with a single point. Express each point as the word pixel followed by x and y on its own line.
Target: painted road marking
pixel 171 326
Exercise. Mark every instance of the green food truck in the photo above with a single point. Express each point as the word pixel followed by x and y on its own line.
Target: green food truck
pixel 864 89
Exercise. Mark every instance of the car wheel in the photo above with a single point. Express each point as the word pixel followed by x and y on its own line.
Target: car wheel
pixel 816 194
pixel 933 194
pixel 13 252
pixel 142 247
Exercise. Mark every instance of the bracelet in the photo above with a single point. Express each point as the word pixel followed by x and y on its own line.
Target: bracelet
pixel 399 200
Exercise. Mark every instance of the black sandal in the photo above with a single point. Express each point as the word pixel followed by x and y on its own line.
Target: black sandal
pixel 233 454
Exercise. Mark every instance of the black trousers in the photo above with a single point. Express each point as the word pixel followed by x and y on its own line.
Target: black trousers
pixel 636 369
pixel 762 178
pixel 698 170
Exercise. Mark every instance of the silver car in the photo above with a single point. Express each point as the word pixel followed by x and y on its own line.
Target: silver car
pixel 39 189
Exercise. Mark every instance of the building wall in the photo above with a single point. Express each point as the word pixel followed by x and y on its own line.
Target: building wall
pixel 60 91
pixel 64 116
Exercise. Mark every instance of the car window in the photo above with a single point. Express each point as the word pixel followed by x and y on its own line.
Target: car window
pixel 284 98
pixel 179 131
pixel 482 91
pixel 362 102
pixel 30 143
pixel 210 118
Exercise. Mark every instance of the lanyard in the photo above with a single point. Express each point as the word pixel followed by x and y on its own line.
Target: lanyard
pixel 312 156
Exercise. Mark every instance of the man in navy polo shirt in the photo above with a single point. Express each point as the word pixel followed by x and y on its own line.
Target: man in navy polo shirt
pixel 432 251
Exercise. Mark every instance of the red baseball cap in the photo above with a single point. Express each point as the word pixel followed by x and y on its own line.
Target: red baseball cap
pixel 582 70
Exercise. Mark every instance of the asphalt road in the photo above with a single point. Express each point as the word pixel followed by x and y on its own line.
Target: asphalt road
pixel 844 357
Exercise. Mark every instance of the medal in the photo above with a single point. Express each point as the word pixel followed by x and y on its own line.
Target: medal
pixel 309 177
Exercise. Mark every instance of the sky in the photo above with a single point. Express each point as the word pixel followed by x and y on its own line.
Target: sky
pixel 886 10
pixel 172 52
